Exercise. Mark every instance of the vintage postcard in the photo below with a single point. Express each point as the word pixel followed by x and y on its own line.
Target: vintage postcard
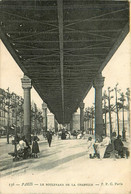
pixel 65 74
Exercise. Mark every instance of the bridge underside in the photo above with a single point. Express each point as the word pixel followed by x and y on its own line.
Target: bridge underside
pixel 61 45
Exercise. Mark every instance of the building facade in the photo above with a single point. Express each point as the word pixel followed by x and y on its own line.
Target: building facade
pixel 12 114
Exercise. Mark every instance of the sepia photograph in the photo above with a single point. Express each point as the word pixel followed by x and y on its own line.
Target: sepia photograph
pixel 65 81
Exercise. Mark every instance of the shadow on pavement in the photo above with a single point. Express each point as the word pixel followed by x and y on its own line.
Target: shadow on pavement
pixel 59 162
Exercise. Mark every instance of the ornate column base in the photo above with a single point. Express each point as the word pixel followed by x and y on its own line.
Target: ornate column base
pixel 27 133
pixel 98 131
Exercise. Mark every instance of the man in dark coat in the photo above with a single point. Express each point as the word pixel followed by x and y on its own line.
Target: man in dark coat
pixel 118 145
pixel 49 137
pixel 27 149
pixel 63 135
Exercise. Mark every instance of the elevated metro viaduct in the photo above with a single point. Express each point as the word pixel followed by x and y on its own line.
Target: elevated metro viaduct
pixel 62 47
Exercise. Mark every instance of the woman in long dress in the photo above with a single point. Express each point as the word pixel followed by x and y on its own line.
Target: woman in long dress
pixel 102 146
pixel 35 147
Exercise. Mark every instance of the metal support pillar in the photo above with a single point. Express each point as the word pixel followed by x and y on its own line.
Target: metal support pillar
pixel 71 124
pixel 82 116
pixel 26 85
pixel 44 107
pixel 98 84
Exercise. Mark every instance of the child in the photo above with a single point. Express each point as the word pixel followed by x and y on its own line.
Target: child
pixel 96 148
pixel 90 147
pixel 35 147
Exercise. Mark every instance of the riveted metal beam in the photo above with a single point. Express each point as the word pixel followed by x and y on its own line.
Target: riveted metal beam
pixel 60 22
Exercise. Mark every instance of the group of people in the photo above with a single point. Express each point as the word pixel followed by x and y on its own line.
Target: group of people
pixel 105 147
pixel 25 151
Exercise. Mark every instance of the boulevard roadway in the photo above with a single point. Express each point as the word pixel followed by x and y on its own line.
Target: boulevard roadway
pixel 62 168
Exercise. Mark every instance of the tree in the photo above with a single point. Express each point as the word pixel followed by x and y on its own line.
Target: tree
pixel 89 116
pixel 105 110
pixel 117 108
pixel 17 108
pixel 8 108
pixel 122 99
pixel 128 106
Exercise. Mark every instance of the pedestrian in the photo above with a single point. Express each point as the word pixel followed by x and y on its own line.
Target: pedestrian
pixel 27 148
pixel 90 147
pixel 23 148
pixel 118 146
pixel 63 135
pixel 21 144
pixel 35 147
pixel 103 145
pixel 49 137
pixel 96 148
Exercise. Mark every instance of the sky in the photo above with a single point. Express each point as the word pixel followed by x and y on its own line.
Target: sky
pixel 11 74
pixel 116 71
